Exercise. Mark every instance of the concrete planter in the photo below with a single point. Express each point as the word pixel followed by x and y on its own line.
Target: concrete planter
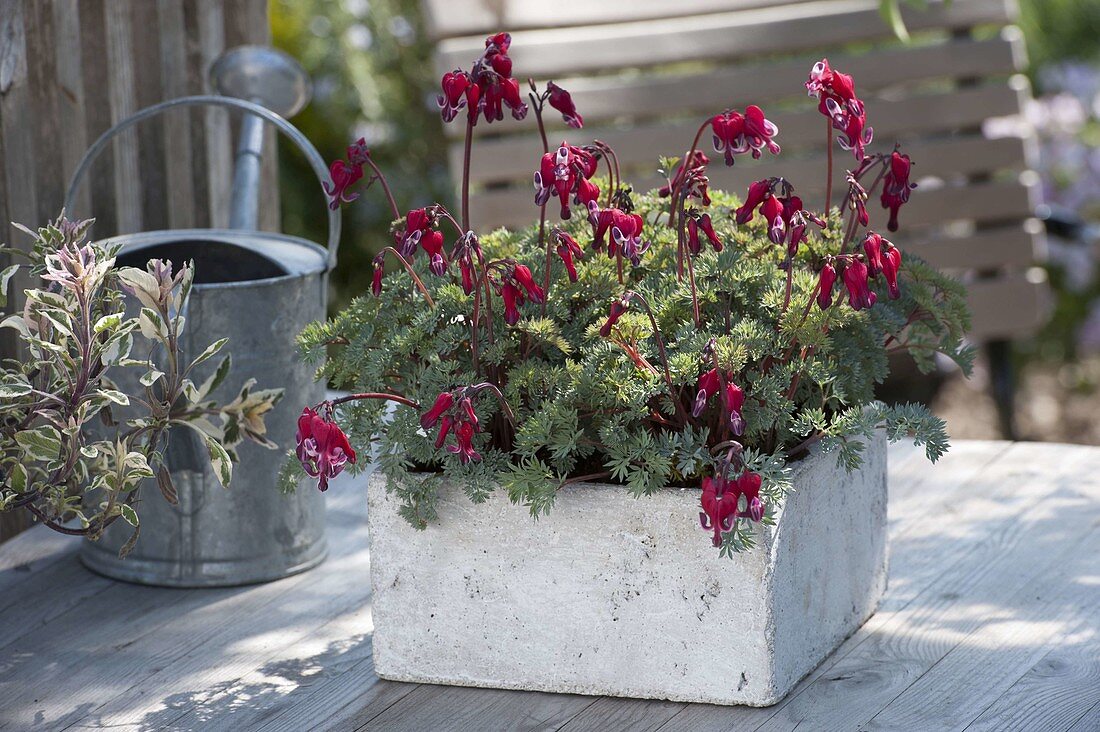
pixel 626 597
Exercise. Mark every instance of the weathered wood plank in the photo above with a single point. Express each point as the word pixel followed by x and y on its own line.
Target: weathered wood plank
pixel 1020 549
pixel 70 91
pixel 908 119
pixel 453 707
pixel 1011 306
pixel 547 53
pixel 100 179
pixel 175 152
pixel 152 135
pixel 448 18
pixel 898 71
pixel 1059 689
pixel 42 85
pixel 623 715
pixel 208 23
pixel 122 99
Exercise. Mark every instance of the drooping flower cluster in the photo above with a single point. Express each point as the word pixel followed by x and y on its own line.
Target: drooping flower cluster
pixel 567 249
pixel 733 398
pixel 879 256
pixel 344 174
pixel 697 222
pixel 896 186
pixel 786 219
pixel 691 179
pixel 454 412
pixel 562 101
pixel 720 502
pixel 517 285
pixel 420 230
pixel 735 133
pixel 565 172
pixel 836 95
pixel 322 447
pixel 486 89
pixel 625 230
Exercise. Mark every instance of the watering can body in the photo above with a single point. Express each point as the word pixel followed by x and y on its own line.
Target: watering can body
pixel 259 290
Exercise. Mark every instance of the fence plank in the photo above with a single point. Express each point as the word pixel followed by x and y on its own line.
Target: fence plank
pixel 122 99
pixel 70 93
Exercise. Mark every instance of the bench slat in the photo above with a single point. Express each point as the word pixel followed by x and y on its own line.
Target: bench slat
pixel 1008 307
pixel 609 97
pixel 515 158
pixel 739 34
pixel 995 201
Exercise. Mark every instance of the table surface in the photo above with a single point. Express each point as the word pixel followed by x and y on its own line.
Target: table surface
pixel 991 622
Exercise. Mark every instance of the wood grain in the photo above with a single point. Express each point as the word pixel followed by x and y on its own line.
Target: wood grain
pixel 990 620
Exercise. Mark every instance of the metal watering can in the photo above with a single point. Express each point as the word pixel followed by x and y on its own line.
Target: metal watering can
pixel 259 290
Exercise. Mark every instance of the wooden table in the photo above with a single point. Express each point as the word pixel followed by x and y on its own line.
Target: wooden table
pixel 991 622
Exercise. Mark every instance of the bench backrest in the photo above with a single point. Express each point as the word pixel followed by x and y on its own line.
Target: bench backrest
pixel 644 73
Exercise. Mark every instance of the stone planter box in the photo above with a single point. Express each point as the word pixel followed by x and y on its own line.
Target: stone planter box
pixel 626 597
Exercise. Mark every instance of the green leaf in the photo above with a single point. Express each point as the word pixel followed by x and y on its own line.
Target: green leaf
pixel 151 325
pixel 215 379
pixel 43 443
pixel 130 515
pixel 18 478
pixel 14 389
pixel 890 10
pixel 150 377
pixel 219 458
pixel 5 278
pixel 210 351
pixel 115 396
pixel 107 322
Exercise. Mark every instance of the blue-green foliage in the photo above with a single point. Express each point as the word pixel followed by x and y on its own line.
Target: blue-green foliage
pixel 592 406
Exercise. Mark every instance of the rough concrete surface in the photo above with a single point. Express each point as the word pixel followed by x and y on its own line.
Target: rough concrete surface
pixel 614 595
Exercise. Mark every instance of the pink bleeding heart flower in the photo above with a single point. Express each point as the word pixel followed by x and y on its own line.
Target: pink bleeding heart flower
pixel 759 131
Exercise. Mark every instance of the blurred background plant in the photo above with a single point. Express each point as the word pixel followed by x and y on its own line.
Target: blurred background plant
pixel 370 61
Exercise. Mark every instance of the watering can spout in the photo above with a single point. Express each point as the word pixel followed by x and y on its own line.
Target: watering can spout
pixel 273 80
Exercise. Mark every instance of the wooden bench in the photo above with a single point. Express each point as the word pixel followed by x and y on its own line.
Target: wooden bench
pixel 644 73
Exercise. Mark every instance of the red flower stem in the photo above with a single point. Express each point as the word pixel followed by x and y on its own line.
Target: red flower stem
pixel 371 395
pixel 619 264
pixel 664 354
pixel 449 217
pixel 583 478
pixel 677 184
pixel 466 151
pixel 536 104
pixel 385 188
pixel 500 398
pixel 694 294
pixel 805 444
pixel 610 180
pixel 549 258
pixel 412 273
pixel 829 178
pixel 787 289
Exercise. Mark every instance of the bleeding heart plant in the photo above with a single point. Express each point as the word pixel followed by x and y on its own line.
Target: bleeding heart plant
pixel 679 337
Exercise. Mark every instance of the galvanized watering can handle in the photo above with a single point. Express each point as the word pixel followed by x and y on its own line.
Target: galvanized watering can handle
pixel 303 143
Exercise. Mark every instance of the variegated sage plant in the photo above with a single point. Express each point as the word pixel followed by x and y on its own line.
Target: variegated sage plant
pixel 75 448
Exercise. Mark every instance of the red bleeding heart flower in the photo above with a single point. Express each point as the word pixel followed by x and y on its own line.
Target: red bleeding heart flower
pixel 860 294
pixel 733 399
pixel 772 211
pixel 626 236
pixel 564 172
pixel 567 249
pixel 418 222
pixel 322 447
pixel 516 286
pixel 836 94
pixel 618 308
pixel 735 133
pixel 896 187
pixel 522 274
pixel 690 177
pixel 872 250
pixel 432 243
pixel 758 191
pixel 466 249
pixel 443 402
pixel 376 279
pixel 825 286
pixel 455 85
pixel 464 446
pixel 709 384
pixel 891 263
pixel 504 92
pixel 707 227
pixel 346 174
pixel 719 507
pixel 561 100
